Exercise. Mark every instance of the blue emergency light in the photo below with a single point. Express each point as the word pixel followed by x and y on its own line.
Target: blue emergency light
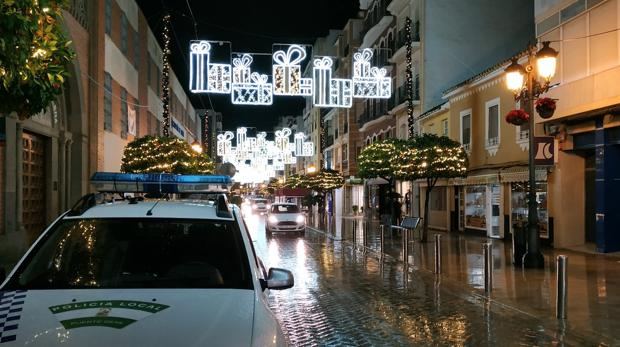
pixel 115 182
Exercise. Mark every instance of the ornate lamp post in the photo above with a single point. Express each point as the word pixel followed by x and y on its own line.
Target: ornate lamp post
pixel 524 83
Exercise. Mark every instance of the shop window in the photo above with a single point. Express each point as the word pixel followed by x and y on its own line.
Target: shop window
pixel 107 102
pixel 475 207
pixel 519 209
pixel 438 199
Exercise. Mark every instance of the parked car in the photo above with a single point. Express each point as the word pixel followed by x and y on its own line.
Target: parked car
pixel 285 217
pixel 136 271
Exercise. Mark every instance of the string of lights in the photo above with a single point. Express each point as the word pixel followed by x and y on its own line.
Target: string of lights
pixel 165 82
pixel 408 38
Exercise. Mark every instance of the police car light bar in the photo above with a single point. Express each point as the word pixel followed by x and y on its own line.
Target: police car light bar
pixel 114 182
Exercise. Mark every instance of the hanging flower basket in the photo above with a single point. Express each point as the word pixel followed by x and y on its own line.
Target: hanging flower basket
pixel 545 107
pixel 517 117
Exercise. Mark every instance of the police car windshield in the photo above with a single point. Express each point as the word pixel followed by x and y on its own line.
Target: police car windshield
pixel 138 253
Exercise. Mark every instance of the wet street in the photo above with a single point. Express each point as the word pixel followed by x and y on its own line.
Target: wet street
pixel 347 298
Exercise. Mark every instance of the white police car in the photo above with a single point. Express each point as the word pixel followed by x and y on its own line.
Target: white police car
pixel 143 272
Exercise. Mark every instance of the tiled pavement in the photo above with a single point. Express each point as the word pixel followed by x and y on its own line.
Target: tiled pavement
pixel 350 298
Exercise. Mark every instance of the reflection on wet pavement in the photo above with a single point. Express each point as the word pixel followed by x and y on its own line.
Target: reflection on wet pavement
pixel 344 297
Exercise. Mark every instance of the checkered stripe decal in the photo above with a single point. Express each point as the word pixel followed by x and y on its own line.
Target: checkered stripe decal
pixel 11 305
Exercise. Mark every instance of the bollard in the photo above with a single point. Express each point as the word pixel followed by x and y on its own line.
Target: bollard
pixel 382 240
pixel 437 253
pixel 488 266
pixel 562 287
pixel 354 235
pixel 405 233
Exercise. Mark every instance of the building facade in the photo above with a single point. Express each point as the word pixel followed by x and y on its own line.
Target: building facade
pixel 111 96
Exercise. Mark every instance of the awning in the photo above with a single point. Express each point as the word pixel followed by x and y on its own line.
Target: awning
pixel 521 174
pixel 502 175
pixel 376 181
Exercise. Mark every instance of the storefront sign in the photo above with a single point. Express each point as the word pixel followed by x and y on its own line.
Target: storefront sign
pixel 544 146
pixel 178 129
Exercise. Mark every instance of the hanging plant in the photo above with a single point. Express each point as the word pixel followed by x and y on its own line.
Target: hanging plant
pixel 545 107
pixel 517 117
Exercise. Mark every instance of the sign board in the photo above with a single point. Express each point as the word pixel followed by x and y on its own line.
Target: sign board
pixel 544 147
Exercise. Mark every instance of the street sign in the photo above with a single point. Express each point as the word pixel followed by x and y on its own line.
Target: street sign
pixel 544 147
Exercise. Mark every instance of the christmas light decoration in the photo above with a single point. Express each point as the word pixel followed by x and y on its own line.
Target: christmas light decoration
pixel 153 154
pixel 328 91
pixel 256 158
pixel 409 72
pixel 369 82
pixel 205 76
pixel 256 92
pixel 287 72
pixel 165 95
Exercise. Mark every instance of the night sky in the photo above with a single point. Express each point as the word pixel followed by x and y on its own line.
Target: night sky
pixel 250 26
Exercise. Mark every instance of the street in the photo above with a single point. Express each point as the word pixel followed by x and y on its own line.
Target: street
pixel 343 297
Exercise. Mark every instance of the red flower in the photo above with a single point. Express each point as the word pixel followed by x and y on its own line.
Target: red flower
pixel 545 103
pixel 517 117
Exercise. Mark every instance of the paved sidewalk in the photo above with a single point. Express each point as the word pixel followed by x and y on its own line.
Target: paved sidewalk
pixel 593 279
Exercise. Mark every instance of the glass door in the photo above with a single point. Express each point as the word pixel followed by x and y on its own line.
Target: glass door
pixel 495 229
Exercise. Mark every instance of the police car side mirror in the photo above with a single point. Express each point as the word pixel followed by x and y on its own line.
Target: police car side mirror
pixel 278 279
pixel 2 274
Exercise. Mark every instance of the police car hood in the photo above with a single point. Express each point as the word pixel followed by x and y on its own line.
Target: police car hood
pixel 127 317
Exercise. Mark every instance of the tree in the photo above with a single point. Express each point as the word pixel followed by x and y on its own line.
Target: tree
pixel 34 53
pixel 430 157
pixel 322 182
pixel 156 154
pixel 377 161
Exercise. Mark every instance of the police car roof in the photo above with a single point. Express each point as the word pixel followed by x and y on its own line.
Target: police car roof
pixel 186 209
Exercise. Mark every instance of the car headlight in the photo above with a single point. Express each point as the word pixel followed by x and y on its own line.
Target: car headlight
pixel 272 219
pixel 254 206
pixel 300 219
pixel 268 205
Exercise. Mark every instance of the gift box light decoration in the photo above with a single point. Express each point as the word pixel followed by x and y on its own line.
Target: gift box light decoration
pixel 251 88
pixel 328 91
pixel 217 78
pixel 369 82
pixel 256 158
pixel 287 78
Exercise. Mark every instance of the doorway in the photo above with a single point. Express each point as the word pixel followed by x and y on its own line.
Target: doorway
pixel 590 196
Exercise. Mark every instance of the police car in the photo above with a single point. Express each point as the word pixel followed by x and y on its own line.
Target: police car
pixel 140 271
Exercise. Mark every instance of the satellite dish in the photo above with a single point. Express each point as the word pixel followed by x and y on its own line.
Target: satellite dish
pixel 226 169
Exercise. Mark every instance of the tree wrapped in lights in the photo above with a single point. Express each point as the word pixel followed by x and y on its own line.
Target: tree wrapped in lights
pixel 377 161
pixel 430 157
pixel 165 80
pixel 409 78
pixel 34 53
pixel 157 154
pixel 322 182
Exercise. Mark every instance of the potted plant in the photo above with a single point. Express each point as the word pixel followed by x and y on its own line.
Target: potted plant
pixel 545 107
pixel 517 117
pixel 355 208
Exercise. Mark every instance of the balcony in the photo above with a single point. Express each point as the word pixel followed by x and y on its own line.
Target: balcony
pixel 398 45
pixel 400 96
pixel 375 14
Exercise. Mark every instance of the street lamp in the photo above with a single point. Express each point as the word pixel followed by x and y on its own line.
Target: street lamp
pixel 197 147
pixel 311 169
pixel 516 75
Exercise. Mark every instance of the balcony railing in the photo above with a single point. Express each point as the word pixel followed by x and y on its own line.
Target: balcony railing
pixel 401 37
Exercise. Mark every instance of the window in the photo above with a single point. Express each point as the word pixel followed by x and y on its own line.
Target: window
pixel 148 70
pixel 138 253
pixel 492 122
pixel 466 128
pixel 438 199
pixel 107 102
pixel 444 127
pixel 108 16
pixel 123 33
pixel 136 49
pixel 124 120
pixel 284 209
pixel 345 152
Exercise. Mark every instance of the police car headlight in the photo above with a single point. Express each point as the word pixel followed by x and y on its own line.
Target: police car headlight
pixel 272 219
pixel 300 219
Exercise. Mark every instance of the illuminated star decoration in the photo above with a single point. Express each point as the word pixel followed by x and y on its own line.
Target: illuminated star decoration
pixel 369 82
pixel 287 72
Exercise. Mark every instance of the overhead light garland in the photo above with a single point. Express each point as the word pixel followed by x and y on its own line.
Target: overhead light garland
pixel 409 71
pixel 165 81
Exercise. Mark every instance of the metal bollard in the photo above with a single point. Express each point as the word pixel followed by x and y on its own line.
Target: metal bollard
pixel 382 240
pixel 437 253
pixel 405 233
pixel 354 236
pixel 562 287
pixel 487 249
